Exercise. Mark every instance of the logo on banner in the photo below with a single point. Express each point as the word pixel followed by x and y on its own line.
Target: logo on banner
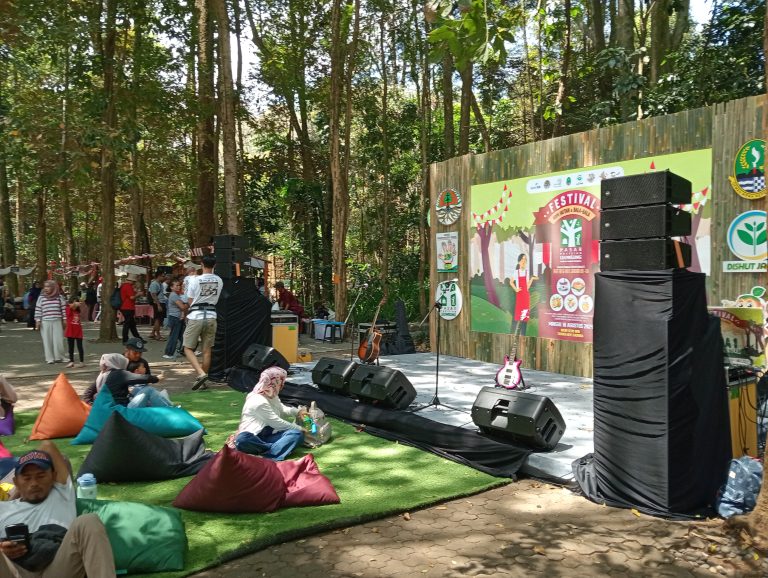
pixel 449 296
pixel 448 206
pixel 570 233
pixel 747 241
pixel 748 179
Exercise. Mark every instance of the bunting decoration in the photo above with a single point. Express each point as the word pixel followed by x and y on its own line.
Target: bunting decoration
pixel 496 213
pixel 698 200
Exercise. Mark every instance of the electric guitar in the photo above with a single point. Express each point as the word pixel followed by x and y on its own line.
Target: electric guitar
pixel 510 376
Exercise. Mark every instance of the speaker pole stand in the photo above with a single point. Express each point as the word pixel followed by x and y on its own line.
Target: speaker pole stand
pixel 435 401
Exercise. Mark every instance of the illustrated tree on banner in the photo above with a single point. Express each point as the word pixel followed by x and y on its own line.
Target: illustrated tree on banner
pixel 484 224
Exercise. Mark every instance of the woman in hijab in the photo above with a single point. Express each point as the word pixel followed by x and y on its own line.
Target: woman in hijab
pixel 118 381
pixel 266 426
pixel 50 320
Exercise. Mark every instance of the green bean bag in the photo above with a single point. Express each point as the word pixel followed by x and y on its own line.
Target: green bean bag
pixel 169 422
pixel 144 538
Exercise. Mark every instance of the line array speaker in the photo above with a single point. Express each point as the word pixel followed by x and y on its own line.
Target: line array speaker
pixel 644 222
pixel 260 357
pixel 222 242
pixel 382 386
pixel 646 189
pixel 519 416
pixel 333 374
pixel 643 254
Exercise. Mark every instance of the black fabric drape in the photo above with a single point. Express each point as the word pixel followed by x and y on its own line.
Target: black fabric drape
pixel 457 444
pixel 243 318
pixel 660 398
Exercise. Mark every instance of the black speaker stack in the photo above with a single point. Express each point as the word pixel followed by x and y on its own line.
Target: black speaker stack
pixel 374 384
pixel 232 256
pixel 519 416
pixel 260 357
pixel 638 219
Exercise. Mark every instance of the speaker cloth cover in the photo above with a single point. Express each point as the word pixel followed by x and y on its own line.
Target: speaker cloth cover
pixel 333 374
pixel 642 255
pixel 661 432
pixel 646 189
pixel 382 385
pixel 518 415
pixel 644 222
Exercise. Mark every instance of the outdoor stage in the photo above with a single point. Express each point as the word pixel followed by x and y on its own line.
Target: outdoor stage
pixel 461 379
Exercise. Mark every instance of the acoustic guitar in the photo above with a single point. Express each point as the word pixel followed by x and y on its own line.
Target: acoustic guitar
pixel 510 376
pixel 368 352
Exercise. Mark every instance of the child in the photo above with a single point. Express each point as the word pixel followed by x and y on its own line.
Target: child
pixel 144 395
pixel 74 331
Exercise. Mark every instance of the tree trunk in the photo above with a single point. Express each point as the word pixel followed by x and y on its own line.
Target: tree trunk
pixel 448 132
pixel 466 104
pixel 659 39
pixel 625 19
pixel 562 84
pixel 528 75
pixel 6 224
pixel 107 330
pixel 478 114
pixel 227 119
pixel 339 183
pixel 682 23
pixel 239 113
pixel 597 27
pixel 41 239
pixel 385 162
pixel 206 135
pixel 426 122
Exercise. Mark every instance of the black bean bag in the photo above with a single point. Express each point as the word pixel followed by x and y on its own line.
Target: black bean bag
pixel 123 452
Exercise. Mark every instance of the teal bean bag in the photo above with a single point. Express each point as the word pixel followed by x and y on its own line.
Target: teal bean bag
pixel 169 422
pixel 144 538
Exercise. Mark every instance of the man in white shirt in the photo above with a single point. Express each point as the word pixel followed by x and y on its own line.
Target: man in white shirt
pixel 47 505
pixel 203 292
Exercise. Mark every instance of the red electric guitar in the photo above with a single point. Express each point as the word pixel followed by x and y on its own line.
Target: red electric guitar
pixel 510 376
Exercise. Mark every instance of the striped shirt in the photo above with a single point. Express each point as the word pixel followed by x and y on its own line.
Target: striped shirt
pixel 48 308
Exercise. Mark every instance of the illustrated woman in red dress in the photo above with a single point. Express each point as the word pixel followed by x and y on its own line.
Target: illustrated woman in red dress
pixel 521 284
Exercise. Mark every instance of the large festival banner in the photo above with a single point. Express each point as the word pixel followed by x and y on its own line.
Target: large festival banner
pixel 535 248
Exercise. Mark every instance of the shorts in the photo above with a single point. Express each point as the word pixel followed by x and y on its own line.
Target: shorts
pixel 202 329
pixel 158 311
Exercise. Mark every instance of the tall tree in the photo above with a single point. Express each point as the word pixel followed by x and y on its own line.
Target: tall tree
pixel 206 131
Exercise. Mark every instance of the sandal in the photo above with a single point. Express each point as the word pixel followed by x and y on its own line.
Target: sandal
pixel 200 382
pixel 71 364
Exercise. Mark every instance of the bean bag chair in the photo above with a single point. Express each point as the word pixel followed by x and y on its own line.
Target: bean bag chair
pixel 305 485
pixel 167 422
pixel 63 413
pixel 234 482
pixel 5 453
pixel 144 538
pixel 7 421
pixel 123 452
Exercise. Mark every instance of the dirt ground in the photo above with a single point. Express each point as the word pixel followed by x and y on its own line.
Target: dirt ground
pixel 527 528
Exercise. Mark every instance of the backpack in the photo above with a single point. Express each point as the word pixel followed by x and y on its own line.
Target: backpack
pixel 116 301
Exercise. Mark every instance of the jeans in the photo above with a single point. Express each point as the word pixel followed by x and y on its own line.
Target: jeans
pixel 148 396
pixel 174 337
pixel 269 443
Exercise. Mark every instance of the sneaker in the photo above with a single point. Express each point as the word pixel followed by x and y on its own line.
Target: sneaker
pixel 71 364
pixel 168 357
pixel 200 382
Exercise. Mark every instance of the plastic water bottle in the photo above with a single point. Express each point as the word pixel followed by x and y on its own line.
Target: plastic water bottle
pixel 86 487
pixel 313 416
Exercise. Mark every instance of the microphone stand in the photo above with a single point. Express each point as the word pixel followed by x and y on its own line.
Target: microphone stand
pixel 435 401
pixel 351 330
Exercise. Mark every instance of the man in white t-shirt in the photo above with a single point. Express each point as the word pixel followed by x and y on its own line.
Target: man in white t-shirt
pixel 202 293
pixel 47 506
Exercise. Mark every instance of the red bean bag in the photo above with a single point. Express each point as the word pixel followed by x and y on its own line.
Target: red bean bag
pixel 63 413
pixel 234 482
pixel 305 484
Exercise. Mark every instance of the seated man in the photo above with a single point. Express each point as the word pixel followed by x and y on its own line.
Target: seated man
pixel 61 544
pixel 134 347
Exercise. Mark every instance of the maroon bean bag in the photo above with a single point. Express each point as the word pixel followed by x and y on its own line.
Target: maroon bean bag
pixel 236 482
pixel 305 484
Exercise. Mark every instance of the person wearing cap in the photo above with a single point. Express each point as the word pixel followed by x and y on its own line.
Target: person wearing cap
pixel 134 347
pixel 202 293
pixel 47 498
pixel 128 295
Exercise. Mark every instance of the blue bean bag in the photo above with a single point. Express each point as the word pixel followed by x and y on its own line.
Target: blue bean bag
pixel 169 422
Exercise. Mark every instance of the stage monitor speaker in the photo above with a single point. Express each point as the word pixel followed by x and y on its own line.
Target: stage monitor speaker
pixel 523 417
pixel 642 255
pixel 333 374
pixel 260 357
pixel 383 386
pixel 644 222
pixel 223 242
pixel 646 189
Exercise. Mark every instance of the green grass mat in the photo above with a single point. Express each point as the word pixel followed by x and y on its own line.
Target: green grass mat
pixel 373 477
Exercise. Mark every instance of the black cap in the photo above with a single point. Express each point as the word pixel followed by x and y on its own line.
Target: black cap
pixel 136 343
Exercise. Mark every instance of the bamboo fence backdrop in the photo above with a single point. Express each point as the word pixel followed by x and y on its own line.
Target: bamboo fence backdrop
pixel 724 128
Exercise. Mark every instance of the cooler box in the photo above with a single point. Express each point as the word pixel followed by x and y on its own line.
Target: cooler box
pixel 285 335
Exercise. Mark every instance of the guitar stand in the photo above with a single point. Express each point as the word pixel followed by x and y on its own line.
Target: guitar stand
pixel 435 401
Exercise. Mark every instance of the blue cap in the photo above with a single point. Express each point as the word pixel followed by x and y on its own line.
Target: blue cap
pixel 37 457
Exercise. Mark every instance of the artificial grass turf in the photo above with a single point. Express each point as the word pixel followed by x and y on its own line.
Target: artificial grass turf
pixel 373 477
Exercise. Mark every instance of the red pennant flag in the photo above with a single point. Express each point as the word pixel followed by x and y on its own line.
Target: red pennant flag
pixel 653 166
